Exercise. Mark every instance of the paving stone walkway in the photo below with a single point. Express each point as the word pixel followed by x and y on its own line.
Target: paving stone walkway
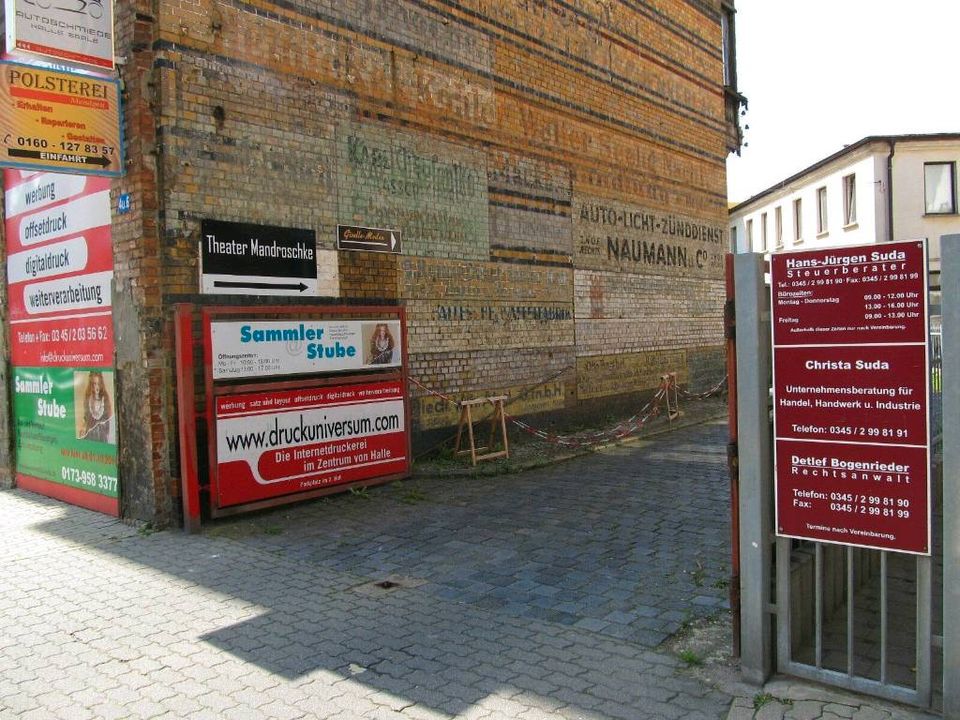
pixel 540 595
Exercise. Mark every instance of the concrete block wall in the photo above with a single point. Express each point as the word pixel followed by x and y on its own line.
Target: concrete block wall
pixel 556 169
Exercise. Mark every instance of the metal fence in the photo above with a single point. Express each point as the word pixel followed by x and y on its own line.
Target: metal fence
pixel 867 620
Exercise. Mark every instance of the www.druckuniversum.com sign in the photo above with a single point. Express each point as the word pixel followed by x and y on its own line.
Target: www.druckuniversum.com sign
pixel 243 349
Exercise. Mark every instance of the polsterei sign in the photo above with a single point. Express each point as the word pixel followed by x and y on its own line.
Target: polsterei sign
pixel 851 399
pixel 279 442
pixel 59 121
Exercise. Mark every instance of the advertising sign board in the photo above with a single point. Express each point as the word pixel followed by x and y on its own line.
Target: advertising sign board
pixel 76 30
pixel 262 348
pixel 247 259
pixel 59 275
pixel 851 420
pixel 277 442
pixel 56 120
pixel 350 237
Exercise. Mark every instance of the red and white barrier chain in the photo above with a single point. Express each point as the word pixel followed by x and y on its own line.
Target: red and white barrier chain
pixel 668 391
pixel 715 390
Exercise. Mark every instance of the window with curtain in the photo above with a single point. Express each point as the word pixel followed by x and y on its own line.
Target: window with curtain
pixel 939 188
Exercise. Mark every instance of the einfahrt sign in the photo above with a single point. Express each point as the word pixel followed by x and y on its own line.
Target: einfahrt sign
pixel 850 392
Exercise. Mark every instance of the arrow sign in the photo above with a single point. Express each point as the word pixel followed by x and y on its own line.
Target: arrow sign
pixel 259 285
pixel 350 237
pixel 58 157
pixel 249 259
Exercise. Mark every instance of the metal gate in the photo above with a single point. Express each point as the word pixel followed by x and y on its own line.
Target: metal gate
pixel 858 619
pixel 869 621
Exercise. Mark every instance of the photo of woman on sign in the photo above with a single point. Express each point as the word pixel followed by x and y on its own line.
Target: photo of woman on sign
pixel 96 408
pixel 381 346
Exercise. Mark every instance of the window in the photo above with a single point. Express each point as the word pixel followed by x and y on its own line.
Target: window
pixel 778 226
pixel 939 188
pixel 850 200
pixel 763 231
pixel 821 210
pixel 733 238
pixel 797 221
pixel 729 46
pixel 750 235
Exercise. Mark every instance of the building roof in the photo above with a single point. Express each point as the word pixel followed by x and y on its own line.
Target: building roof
pixel 839 154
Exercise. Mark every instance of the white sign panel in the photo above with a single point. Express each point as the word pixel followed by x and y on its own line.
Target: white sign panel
pixel 80 31
pixel 244 349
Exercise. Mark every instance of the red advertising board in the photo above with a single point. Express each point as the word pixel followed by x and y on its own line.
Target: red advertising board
pixel 59 276
pixel 851 418
pixel 273 442
pixel 59 270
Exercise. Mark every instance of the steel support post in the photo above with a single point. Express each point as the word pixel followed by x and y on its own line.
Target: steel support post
pixel 950 286
pixel 756 466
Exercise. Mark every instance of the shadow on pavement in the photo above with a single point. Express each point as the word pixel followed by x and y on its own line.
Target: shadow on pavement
pixel 547 590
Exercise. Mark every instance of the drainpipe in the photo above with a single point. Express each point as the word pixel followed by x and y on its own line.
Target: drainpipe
pixel 893 149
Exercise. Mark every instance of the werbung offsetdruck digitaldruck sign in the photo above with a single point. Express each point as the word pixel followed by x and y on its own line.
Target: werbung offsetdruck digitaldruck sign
pixel 59 275
pixel 851 395
pixel 245 349
pixel 278 442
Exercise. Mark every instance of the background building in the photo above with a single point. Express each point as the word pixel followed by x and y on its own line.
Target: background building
pixel 880 189
pixel 557 172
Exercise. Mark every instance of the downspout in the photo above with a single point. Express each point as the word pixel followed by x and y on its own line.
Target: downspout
pixel 893 148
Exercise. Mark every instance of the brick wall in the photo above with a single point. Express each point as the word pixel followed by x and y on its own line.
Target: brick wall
pixel 557 171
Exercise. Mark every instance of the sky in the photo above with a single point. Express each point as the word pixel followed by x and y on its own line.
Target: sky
pixel 822 74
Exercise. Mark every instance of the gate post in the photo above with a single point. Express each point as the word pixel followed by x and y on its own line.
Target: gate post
pixel 756 466
pixel 950 382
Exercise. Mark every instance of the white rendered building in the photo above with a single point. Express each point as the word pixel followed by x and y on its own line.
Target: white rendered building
pixel 880 189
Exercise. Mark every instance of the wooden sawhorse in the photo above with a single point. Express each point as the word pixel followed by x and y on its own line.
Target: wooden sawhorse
pixel 466 418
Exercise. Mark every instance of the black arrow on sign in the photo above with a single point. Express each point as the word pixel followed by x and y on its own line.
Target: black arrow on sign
pixel 59 157
pixel 259 285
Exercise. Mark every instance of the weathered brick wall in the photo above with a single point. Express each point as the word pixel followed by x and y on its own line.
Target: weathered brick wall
pixel 144 351
pixel 557 171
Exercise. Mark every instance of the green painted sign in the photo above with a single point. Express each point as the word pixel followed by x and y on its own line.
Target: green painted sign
pixel 65 427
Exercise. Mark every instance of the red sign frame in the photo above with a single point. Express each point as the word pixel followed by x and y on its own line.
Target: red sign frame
pixel 331 403
pixel 851 394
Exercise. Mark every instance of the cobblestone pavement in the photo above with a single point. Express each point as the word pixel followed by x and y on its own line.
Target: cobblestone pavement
pixel 540 595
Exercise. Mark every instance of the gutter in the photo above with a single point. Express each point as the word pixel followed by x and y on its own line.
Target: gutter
pixel 893 148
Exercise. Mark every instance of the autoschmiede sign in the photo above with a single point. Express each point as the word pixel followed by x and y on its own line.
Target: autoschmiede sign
pixel 76 30
pixel 261 348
